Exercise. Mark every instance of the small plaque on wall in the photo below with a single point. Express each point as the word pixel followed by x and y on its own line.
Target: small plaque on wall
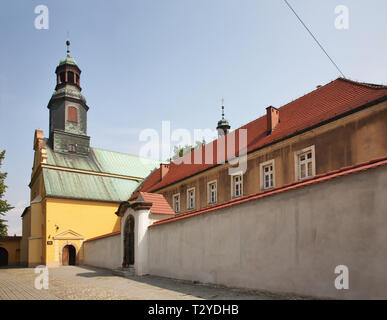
pixel 49 243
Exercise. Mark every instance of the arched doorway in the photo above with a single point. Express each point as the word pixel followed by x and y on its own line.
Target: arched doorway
pixel 129 241
pixel 68 255
pixel 3 257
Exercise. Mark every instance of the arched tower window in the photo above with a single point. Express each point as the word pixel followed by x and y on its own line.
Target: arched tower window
pixel 62 77
pixel 70 77
pixel 72 114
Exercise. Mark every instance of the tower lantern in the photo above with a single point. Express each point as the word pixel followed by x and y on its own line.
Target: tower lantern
pixel 223 125
pixel 68 72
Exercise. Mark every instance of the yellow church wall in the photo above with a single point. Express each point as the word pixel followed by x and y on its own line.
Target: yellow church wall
pixel 26 229
pixel 35 251
pixel 37 224
pixel 36 219
pixel 37 186
pixel 74 221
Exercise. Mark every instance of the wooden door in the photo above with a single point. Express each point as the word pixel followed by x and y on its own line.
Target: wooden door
pixel 129 242
pixel 65 256
pixel 131 248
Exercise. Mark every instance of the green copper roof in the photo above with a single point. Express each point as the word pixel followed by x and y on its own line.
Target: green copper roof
pixel 67 60
pixel 66 184
pixel 223 122
pixel 105 161
pixel 68 92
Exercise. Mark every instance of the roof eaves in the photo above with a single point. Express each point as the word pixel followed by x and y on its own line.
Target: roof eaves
pixel 25 211
pixel 80 198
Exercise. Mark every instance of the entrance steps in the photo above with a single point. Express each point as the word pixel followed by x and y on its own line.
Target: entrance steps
pixel 124 272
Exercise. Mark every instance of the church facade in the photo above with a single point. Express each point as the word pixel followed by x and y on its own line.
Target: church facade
pixel 75 188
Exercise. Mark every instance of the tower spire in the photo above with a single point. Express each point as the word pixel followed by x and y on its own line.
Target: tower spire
pixel 68 47
pixel 222 109
pixel 223 125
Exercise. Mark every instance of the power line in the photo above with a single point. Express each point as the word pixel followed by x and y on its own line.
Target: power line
pixel 310 32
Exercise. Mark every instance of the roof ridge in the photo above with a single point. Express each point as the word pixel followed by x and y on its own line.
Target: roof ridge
pixel 347 96
pixel 246 124
pixel 138 188
pixel 364 84
pixel 127 154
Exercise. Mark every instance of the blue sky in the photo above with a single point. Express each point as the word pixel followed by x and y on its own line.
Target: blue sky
pixel 146 61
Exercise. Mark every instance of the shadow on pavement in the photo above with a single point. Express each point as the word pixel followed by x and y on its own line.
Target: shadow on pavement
pixel 184 287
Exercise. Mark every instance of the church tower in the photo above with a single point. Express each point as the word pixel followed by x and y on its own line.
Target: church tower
pixel 68 110
pixel 223 125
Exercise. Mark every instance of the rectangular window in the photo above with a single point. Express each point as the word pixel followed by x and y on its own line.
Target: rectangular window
pixel 237 186
pixel 268 176
pixel 176 202
pixel 71 148
pixel 305 163
pixel 72 114
pixel 191 198
pixel 212 192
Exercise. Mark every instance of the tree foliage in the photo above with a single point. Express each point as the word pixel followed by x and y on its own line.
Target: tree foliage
pixel 179 151
pixel 4 205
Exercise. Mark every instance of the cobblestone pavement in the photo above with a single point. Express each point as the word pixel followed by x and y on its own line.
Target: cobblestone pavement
pixel 87 283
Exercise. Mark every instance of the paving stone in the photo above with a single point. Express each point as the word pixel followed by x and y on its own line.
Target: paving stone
pixel 88 283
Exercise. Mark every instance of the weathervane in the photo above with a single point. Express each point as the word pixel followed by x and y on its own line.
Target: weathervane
pixel 222 108
pixel 68 44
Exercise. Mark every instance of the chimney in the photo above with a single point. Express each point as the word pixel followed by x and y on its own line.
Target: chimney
pixel 38 139
pixel 164 168
pixel 272 115
pixel 39 145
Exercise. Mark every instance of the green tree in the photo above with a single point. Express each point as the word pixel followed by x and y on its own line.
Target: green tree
pixel 4 206
pixel 179 151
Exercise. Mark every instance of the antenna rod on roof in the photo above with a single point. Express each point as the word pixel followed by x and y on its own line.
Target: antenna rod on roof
pixel 315 39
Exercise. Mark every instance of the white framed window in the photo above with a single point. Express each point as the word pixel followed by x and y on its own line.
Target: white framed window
pixel 236 185
pixel 176 202
pixel 191 198
pixel 305 163
pixel 212 187
pixel 267 174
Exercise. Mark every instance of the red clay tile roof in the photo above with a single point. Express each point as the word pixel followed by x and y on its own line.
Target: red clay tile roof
pixel 159 204
pixel 316 179
pixel 336 98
